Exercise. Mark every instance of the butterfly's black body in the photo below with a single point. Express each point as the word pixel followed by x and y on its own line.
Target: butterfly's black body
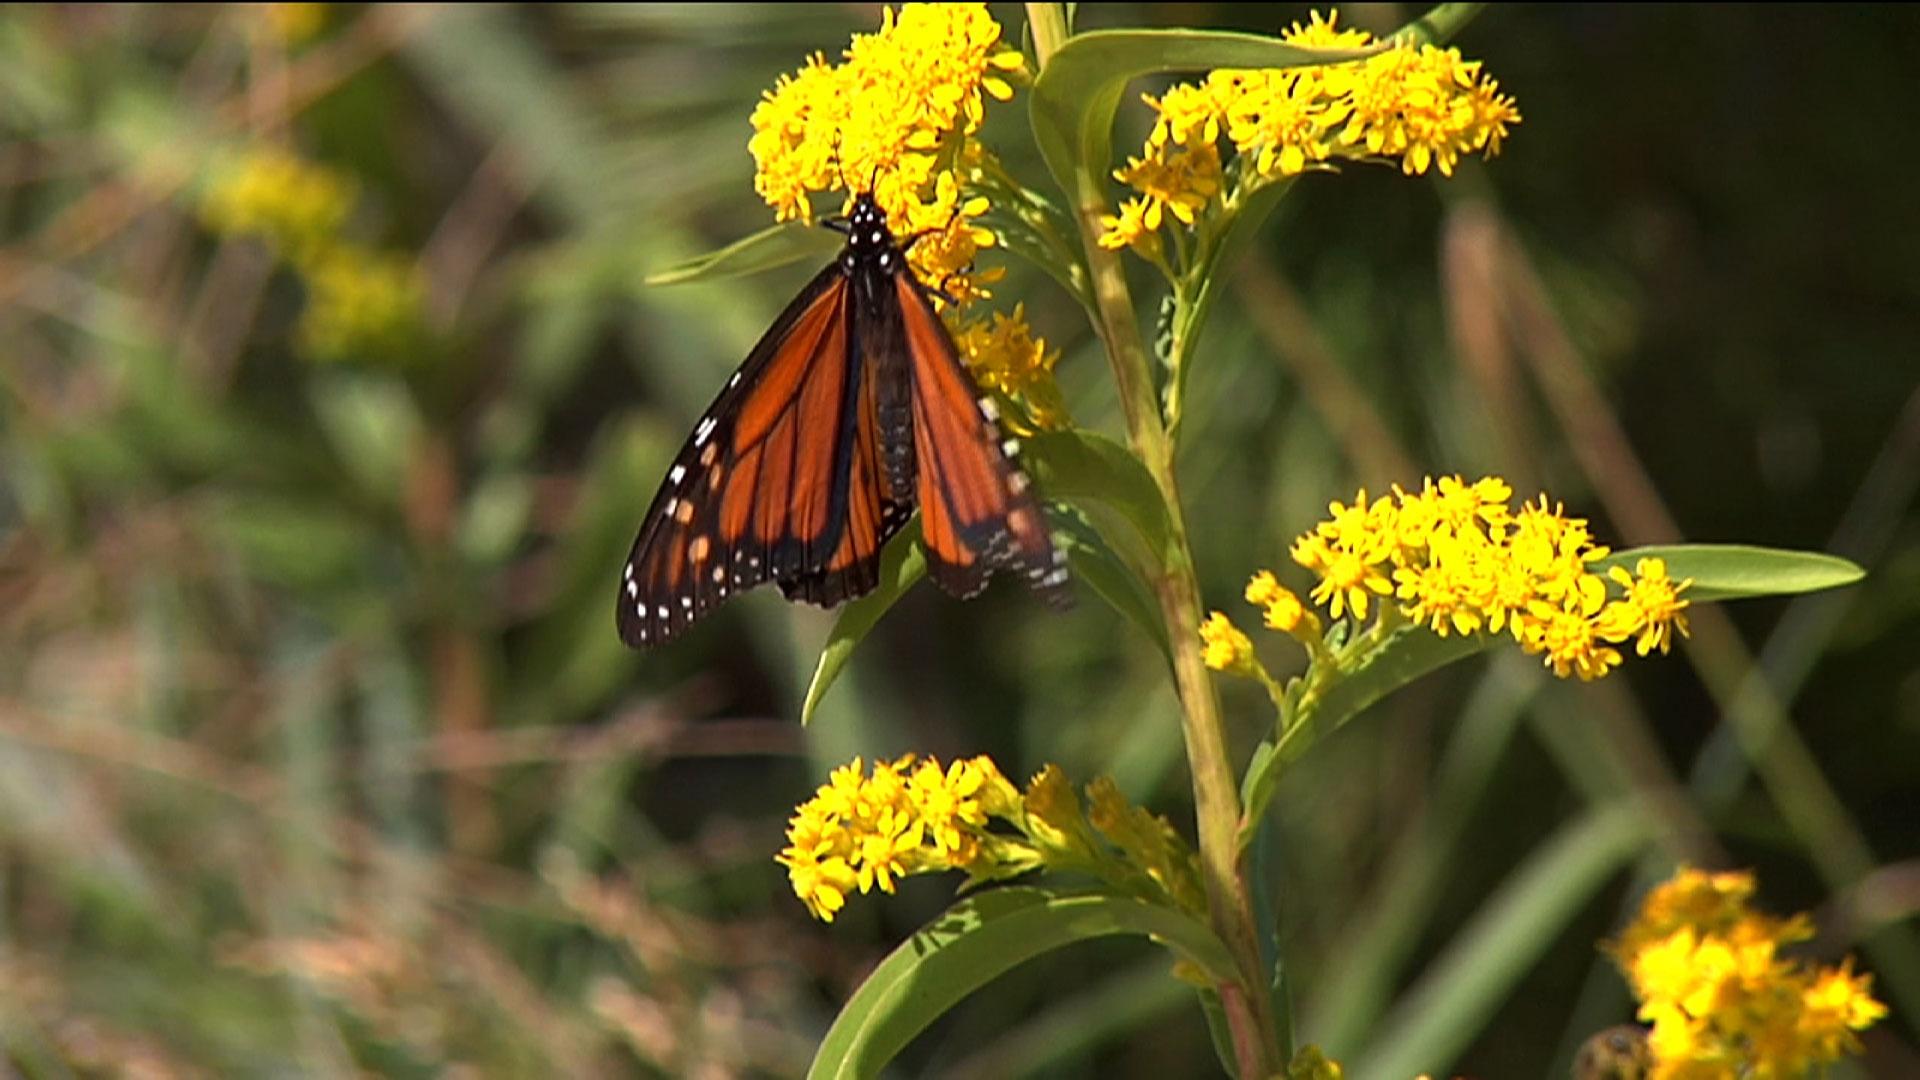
pixel 763 491
pixel 869 262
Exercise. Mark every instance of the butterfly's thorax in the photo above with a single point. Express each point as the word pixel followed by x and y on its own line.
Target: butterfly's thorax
pixel 872 260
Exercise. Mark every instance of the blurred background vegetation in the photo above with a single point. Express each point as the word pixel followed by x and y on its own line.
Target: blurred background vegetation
pixel 330 398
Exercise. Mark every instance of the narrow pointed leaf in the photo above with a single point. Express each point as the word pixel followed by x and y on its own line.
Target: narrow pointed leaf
pixel 902 565
pixel 1733 571
pixel 1094 562
pixel 975 942
pixel 1081 465
pixel 774 246
pixel 1408 653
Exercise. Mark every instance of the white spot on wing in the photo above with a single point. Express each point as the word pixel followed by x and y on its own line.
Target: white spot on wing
pixel 677 474
pixel 988 409
pixel 704 431
pixel 1010 447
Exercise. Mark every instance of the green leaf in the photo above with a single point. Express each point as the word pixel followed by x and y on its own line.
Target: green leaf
pixel 1442 22
pixel 975 942
pixel 1078 465
pixel 1407 652
pixel 1733 571
pixel 902 565
pixel 776 245
pixel 1076 95
pixel 1095 563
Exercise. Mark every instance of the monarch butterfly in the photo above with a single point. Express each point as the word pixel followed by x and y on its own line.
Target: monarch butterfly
pixel 853 410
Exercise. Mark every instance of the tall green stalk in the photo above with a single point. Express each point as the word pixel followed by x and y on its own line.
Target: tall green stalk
pixel 1216 795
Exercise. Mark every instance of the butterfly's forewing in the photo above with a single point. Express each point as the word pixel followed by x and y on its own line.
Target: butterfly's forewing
pixel 764 488
pixel 977 512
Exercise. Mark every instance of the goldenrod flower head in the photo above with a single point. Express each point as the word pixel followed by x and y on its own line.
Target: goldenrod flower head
pixel 1326 34
pixel 1148 842
pixel 1721 1001
pixel 1458 559
pixel 1175 180
pixel 1279 119
pixel 1129 228
pixel 1227 649
pixel 864 830
pixel 1052 812
pixel 1425 106
pixel 1007 358
pixel 1349 551
pixel 1188 116
pixel 897 112
pixel 950 804
pixel 1417 105
pixel 1284 610
pixel 293 204
pixel 1652 607
pixel 362 304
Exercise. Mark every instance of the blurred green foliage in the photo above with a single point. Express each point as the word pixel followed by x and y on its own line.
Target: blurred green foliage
pixel 318 752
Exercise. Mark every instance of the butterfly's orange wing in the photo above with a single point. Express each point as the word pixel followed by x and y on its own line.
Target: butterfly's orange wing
pixel 977 512
pixel 780 480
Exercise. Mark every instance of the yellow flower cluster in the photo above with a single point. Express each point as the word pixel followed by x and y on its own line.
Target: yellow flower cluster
pixel 866 830
pixel 292 204
pixel 1457 558
pixel 1420 105
pixel 1227 648
pixel 361 303
pixel 897 114
pixel 1005 358
pixel 1722 1002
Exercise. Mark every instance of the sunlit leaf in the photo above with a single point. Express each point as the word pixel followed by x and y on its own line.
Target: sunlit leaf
pixel 771 247
pixel 1082 465
pixel 902 565
pixel 1406 654
pixel 1733 571
pixel 975 942
pixel 1094 562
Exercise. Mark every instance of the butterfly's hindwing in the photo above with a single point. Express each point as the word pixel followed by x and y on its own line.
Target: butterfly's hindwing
pixel 977 509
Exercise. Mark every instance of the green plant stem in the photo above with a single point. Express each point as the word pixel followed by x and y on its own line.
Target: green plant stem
pixel 1215 791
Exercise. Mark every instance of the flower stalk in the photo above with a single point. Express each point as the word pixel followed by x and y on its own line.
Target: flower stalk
pixel 1216 793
